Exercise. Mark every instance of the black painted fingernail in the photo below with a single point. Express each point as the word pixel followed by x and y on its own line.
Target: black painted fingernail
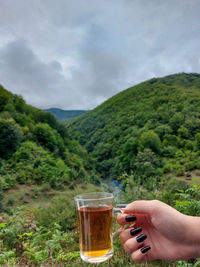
pixel 141 238
pixel 145 249
pixel 136 231
pixel 130 219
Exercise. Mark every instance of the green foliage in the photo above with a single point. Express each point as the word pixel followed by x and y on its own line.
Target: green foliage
pixel 189 201
pixel 163 130
pixel 31 163
pixel 150 140
pixel 183 132
pixel 36 148
pixel 197 139
pixel 176 121
pixel 45 136
pixel 60 211
pixel 3 100
pixel 5 256
pixel 147 168
pixel 63 115
pixel 10 137
pixel 133 189
pixel 169 190
pixel 187 264
pixel 142 137
pixel 160 114
pixel 46 118
pixel 29 240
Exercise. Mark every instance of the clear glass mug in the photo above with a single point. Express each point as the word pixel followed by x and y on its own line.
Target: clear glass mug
pixel 95 212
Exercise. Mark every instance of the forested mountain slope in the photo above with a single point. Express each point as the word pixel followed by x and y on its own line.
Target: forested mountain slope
pixel 36 149
pixel 141 136
pixel 64 115
pixel 150 129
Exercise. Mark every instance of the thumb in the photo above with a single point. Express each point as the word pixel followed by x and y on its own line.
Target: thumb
pixel 142 206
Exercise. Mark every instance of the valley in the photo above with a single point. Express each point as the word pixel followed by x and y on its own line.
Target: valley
pixel 143 143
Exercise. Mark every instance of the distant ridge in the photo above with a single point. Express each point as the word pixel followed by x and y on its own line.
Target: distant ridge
pixel 64 115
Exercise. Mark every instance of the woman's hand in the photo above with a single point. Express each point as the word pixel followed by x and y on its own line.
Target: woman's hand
pixel 160 232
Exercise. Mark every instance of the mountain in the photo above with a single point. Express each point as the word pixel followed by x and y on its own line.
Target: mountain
pixel 143 137
pixel 148 130
pixel 36 149
pixel 63 115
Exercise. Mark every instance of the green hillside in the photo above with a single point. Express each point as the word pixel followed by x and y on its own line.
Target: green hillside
pixel 149 130
pixel 36 149
pixel 64 115
pixel 144 143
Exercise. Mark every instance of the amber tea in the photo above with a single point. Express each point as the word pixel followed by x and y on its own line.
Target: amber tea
pixel 95 230
pixel 95 226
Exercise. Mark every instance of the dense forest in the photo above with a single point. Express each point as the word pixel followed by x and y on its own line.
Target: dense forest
pixel 149 130
pixel 36 148
pixel 143 143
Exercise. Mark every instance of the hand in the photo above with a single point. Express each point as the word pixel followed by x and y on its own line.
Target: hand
pixel 160 232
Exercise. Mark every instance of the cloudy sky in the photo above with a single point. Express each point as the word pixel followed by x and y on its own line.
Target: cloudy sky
pixel 75 54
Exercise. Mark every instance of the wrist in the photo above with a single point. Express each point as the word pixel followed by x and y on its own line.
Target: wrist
pixel 193 233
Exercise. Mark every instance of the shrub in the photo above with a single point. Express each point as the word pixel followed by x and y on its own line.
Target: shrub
pixel 10 137
pixel 179 171
pixel 45 136
pixel 60 211
pixel 189 201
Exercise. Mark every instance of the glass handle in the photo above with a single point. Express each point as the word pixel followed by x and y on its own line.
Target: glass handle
pixel 119 210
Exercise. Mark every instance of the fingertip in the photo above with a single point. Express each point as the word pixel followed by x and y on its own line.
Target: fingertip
pixel 139 255
pixel 140 206
pixel 121 219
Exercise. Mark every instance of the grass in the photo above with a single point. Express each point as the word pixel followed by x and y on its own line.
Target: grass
pixel 191 178
pixel 40 195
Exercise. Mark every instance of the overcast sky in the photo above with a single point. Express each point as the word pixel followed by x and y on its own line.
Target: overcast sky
pixel 75 54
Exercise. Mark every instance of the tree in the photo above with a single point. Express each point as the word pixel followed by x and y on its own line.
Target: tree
pixel 162 130
pixel 183 132
pixel 45 136
pixel 150 140
pixel 147 168
pixel 46 117
pixel 19 103
pixel 176 121
pixel 10 137
pixel 4 98
pixel 3 102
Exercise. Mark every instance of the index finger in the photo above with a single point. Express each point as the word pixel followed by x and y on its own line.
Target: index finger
pixel 140 218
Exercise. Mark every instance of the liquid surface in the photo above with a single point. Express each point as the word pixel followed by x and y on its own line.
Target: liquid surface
pixel 95 230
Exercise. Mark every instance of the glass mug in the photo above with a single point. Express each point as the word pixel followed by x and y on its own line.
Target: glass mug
pixel 95 212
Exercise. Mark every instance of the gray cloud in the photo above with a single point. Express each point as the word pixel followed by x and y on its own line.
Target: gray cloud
pixel 76 54
pixel 41 84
